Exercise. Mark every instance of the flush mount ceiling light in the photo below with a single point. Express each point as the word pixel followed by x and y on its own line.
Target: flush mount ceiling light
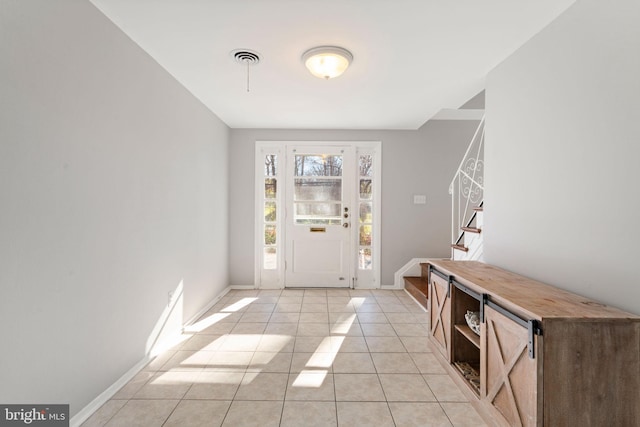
pixel 327 62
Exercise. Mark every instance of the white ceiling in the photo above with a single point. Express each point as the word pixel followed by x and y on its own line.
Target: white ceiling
pixel 411 57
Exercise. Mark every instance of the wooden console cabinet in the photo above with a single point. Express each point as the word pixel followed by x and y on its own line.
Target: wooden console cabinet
pixel 544 356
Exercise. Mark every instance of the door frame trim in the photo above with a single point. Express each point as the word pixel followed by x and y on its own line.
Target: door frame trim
pixel 275 279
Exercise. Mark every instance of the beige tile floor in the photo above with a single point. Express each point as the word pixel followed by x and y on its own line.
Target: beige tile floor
pixel 310 357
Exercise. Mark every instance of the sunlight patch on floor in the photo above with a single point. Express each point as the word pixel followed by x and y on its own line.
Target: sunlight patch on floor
pixel 356 302
pixel 241 342
pixel 175 378
pixel 314 377
pixel 321 360
pixel 310 379
pixel 203 324
pixel 238 305
pixel 274 342
pixel 343 324
pixel 219 378
pixel 249 377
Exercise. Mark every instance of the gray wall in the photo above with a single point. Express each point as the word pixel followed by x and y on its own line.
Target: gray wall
pixel 413 162
pixel 477 102
pixel 562 150
pixel 113 189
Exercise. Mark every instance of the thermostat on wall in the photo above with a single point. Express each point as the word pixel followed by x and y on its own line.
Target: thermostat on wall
pixel 419 199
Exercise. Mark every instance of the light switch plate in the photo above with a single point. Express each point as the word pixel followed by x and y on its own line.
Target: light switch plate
pixel 419 199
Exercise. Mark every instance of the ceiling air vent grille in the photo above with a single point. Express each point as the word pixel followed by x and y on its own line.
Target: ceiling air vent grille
pixel 245 56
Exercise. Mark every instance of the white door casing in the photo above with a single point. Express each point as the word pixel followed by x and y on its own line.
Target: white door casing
pixel 303 192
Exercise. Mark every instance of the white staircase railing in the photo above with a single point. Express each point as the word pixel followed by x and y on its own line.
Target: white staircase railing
pixel 467 186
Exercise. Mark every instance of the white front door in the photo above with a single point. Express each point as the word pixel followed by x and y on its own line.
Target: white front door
pixel 319 197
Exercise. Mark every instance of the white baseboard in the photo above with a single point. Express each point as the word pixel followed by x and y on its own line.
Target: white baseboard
pixel 207 307
pixel 412 268
pixel 103 397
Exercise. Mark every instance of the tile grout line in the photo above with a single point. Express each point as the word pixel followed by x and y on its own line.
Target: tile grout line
pixel 175 407
pixel 114 414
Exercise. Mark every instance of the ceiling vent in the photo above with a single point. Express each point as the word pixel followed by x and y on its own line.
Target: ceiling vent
pixel 245 56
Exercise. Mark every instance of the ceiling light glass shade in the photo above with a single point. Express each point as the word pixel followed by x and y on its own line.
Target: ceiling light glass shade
pixel 327 62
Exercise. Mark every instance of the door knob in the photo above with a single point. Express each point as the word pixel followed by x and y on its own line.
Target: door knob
pixel 345 225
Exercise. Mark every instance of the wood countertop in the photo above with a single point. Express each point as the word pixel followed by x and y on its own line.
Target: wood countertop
pixel 534 299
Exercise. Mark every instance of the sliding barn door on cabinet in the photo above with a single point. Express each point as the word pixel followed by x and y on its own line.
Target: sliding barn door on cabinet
pixel 509 383
pixel 440 313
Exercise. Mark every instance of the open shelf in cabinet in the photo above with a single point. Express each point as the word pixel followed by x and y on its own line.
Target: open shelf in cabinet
pixel 470 373
pixel 466 343
pixel 469 334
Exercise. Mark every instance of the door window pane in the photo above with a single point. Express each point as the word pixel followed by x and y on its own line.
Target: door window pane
pixel 365 213
pixel 366 165
pixel 270 204
pixel 270 261
pixel 364 259
pixel 269 234
pixel 270 164
pixel 270 188
pixel 365 189
pixel 270 211
pixel 318 165
pixel 365 235
pixel 317 190
pixel 317 213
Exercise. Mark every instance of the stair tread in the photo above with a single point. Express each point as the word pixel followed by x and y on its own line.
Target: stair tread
pixel 418 287
pixel 460 248
pixel 416 280
pixel 471 229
